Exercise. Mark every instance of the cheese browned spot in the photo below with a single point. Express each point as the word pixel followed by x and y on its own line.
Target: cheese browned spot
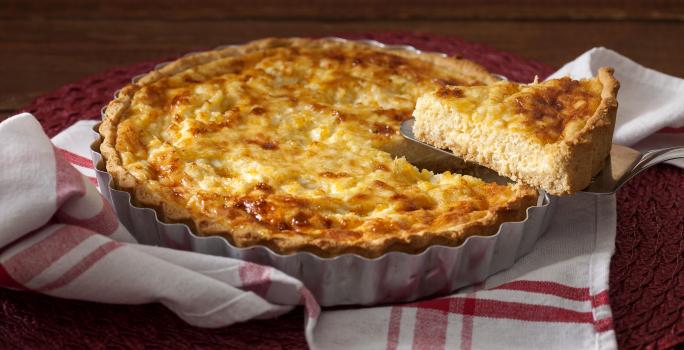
pixel 285 143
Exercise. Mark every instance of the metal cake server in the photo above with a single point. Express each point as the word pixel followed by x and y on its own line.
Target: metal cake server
pixel 624 162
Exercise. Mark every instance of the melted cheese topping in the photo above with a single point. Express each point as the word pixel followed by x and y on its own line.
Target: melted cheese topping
pixel 547 112
pixel 287 142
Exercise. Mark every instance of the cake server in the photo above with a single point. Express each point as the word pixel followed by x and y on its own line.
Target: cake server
pixel 623 163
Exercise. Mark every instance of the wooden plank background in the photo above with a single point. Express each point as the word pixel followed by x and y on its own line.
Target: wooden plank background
pixel 45 44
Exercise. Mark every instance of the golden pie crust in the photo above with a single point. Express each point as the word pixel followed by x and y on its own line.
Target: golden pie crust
pixel 281 143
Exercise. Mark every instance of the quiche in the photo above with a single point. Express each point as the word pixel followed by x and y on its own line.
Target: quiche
pixel 554 135
pixel 283 143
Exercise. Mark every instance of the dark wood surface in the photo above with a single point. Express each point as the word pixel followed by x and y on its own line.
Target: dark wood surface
pixel 45 44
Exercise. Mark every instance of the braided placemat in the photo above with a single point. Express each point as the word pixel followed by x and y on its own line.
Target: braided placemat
pixel 646 279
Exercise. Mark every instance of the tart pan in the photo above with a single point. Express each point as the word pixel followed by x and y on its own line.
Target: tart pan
pixel 349 279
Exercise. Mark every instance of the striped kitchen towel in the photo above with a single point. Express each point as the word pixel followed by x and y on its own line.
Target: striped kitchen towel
pixel 59 237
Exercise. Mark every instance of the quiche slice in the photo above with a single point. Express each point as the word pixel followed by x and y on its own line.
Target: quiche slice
pixel 554 135
pixel 282 143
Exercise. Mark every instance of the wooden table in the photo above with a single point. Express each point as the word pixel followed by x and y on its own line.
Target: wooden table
pixel 45 44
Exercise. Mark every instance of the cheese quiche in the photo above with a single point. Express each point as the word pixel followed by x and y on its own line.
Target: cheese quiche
pixel 554 135
pixel 282 143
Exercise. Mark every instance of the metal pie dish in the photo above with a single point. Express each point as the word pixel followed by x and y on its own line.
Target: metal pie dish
pixel 351 279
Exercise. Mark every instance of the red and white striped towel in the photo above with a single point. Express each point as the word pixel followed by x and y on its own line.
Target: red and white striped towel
pixel 61 238
pixel 58 237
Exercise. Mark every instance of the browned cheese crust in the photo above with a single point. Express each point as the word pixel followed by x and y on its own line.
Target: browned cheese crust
pixel 280 142
pixel 554 135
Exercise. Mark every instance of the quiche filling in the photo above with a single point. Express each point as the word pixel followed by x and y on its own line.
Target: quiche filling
pixel 553 135
pixel 544 112
pixel 286 143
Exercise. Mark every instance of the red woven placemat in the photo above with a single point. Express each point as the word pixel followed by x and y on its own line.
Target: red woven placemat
pixel 646 279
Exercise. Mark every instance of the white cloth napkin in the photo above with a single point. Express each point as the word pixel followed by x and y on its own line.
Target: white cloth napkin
pixel 58 237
